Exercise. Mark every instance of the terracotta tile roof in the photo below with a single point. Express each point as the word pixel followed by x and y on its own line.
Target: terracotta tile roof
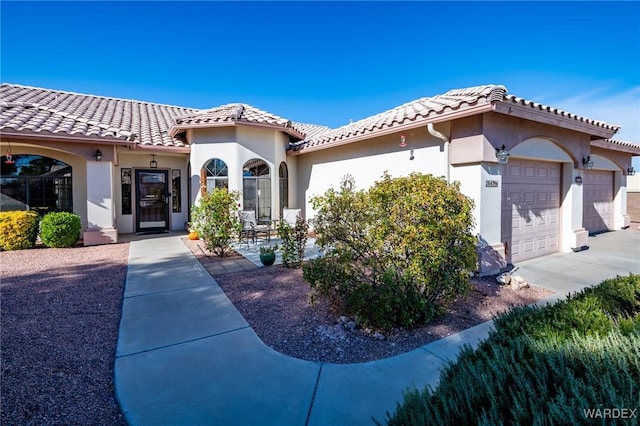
pixel 617 145
pixel 415 112
pixel 514 100
pixel 30 110
pixel 452 104
pixel 236 113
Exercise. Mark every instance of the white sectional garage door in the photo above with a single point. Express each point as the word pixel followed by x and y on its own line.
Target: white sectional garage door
pixel 531 208
pixel 597 196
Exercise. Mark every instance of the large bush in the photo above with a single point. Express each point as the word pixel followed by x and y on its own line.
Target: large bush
pixel 215 219
pixel 18 229
pixel 397 253
pixel 60 229
pixel 553 365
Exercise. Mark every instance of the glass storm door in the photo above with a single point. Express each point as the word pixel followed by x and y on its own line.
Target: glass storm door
pixel 152 201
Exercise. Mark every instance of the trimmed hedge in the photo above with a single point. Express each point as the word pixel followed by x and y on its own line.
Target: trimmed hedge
pixel 557 364
pixel 18 229
pixel 60 229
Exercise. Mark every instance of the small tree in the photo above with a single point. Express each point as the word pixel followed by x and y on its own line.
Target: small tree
pixel 216 220
pixel 396 254
pixel 294 240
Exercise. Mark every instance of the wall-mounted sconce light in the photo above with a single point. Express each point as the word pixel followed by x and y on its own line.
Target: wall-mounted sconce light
pixel 98 155
pixel 502 155
pixel 153 164
pixel 9 156
pixel 578 180
pixel 587 163
pixel 630 171
pixel 411 156
pixel 403 141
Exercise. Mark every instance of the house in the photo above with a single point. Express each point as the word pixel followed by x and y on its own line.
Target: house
pixel 129 166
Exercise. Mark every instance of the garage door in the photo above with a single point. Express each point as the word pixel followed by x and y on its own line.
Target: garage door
pixel 597 196
pixel 530 208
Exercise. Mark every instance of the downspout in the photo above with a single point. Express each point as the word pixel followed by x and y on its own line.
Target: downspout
pixel 433 132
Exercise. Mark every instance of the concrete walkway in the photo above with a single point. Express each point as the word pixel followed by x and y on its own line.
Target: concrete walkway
pixel 186 356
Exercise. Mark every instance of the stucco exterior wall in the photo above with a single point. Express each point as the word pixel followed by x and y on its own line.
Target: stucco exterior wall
pixel 237 145
pixel 366 161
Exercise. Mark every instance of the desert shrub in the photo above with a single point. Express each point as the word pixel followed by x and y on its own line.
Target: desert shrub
pixel 294 239
pixel 60 229
pixel 593 311
pixel 397 253
pixel 540 367
pixel 18 229
pixel 215 219
pixel 530 382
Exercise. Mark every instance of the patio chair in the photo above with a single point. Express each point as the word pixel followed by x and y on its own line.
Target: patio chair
pixel 289 216
pixel 250 227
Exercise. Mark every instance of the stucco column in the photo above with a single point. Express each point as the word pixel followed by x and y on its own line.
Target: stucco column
pixel 573 236
pixel 621 219
pixel 483 183
pixel 100 204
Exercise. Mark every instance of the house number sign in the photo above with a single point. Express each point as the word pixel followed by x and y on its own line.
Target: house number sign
pixel 491 183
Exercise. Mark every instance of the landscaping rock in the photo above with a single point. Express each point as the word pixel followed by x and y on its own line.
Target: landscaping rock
pixel 333 333
pixel 503 278
pixel 518 283
pixel 378 336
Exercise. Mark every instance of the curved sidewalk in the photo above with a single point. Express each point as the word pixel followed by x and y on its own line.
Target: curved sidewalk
pixel 186 356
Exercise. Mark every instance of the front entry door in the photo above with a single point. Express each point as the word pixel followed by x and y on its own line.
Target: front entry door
pixel 152 201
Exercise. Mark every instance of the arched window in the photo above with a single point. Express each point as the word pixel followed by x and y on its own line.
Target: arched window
pixel 284 186
pixel 217 174
pixel 256 188
pixel 34 182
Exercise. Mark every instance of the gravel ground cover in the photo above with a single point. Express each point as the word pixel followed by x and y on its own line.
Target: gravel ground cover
pixel 60 311
pixel 275 302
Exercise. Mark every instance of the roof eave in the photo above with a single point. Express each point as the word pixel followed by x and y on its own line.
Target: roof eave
pixel 607 144
pixel 434 117
pixel 550 117
pixel 62 137
pixel 174 130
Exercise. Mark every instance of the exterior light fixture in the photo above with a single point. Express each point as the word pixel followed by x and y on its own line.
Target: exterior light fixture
pixel 403 141
pixel 587 163
pixel 502 155
pixel 9 156
pixel 411 156
pixel 98 155
pixel 630 171
pixel 153 164
pixel 9 159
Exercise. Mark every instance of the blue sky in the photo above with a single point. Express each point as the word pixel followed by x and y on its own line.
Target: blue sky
pixel 327 63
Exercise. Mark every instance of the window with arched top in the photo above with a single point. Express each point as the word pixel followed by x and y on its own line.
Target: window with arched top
pixel 34 182
pixel 283 174
pixel 216 174
pixel 256 188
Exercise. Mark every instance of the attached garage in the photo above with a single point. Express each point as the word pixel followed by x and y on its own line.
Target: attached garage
pixel 531 208
pixel 597 196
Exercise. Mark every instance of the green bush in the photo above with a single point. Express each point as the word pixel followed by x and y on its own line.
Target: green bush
pixel 397 253
pixel 18 229
pixel 542 365
pixel 294 240
pixel 60 229
pixel 215 219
